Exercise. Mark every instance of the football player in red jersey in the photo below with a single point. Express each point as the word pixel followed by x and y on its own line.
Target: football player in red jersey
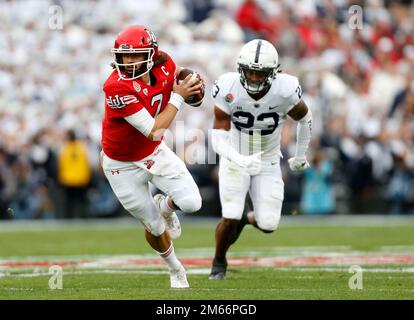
pixel 142 99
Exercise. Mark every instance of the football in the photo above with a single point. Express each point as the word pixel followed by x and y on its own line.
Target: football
pixel 197 99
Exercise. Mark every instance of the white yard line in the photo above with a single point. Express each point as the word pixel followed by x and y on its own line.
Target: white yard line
pixel 216 290
pixel 346 269
pixel 302 290
pixel 140 262
pixel 201 271
pixel 203 252
pixel 398 249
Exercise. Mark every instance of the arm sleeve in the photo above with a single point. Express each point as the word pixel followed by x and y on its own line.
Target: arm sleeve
pixel 221 145
pixel 303 135
pixel 142 121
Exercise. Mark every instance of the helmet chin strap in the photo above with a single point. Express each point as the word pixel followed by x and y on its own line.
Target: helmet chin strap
pixel 257 88
pixel 250 89
pixel 135 73
pixel 254 90
pixel 142 68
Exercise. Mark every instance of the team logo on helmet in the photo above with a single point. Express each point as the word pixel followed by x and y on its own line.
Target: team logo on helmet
pixel 229 97
pixel 153 38
pixel 136 85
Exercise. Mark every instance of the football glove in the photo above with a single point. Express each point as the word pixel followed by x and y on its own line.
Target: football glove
pixel 298 164
pixel 252 163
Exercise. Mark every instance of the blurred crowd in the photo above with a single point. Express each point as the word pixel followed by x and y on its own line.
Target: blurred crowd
pixel 355 64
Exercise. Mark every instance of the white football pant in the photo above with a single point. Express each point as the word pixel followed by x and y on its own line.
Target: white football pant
pixel 266 191
pixel 164 169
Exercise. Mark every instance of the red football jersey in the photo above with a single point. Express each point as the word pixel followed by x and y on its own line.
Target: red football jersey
pixel 120 140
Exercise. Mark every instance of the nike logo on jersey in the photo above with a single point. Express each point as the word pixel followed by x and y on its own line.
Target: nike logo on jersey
pixel 271 108
pixel 120 102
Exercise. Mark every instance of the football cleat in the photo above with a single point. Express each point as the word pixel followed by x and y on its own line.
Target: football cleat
pixel 171 221
pixel 217 276
pixel 218 270
pixel 178 279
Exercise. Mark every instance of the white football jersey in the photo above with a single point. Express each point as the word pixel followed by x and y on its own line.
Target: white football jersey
pixel 256 124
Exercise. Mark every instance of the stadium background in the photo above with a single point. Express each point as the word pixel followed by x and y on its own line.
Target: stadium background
pixel 358 83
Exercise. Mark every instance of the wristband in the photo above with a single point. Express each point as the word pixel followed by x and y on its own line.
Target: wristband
pixel 176 100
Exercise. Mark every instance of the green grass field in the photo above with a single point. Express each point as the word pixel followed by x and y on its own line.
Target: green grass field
pixel 304 259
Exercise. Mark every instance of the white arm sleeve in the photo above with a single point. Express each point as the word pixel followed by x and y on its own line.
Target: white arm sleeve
pixel 220 142
pixel 303 134
pixel 142 121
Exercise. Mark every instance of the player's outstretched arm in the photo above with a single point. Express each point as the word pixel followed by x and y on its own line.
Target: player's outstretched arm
pixel 301 113
pixel 220 140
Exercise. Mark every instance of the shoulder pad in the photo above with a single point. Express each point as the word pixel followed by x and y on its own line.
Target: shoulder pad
pixel 162 57
pixel 113 86
pixel 287 84
pixel 227 80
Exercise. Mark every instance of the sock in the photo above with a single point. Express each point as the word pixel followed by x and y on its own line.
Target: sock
pixel 164 207
pixel 220 260
pixel 244 220
pixel 170 258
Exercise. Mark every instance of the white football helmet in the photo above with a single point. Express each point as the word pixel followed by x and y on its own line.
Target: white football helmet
pixel 261 56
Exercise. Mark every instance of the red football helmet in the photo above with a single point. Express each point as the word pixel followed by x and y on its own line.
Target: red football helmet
pixel 135 39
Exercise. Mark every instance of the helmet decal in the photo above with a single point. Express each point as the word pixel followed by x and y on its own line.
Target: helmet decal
pixel 153 38
pixel 256 58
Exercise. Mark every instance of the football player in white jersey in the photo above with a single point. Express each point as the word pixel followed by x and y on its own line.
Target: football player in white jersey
pixel 250 107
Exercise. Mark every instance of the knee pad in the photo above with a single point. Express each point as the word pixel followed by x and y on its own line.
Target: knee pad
pixel 155 227
pixel 189 204
pixel 268 226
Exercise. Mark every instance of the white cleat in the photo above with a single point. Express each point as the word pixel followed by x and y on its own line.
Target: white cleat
pixel 171 221
pixel 178 279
